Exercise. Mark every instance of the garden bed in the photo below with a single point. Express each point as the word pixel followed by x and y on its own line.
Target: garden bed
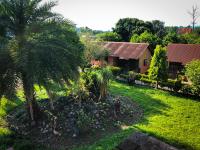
pixel 73 123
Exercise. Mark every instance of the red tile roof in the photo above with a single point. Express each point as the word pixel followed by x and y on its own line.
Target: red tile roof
pixel 183 53
pixel 184 30
pixel 126 50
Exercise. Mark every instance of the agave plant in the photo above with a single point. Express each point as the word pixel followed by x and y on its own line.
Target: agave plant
pixel 36 47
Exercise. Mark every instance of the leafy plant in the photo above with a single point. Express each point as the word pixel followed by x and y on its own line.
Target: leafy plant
pixel 158 66
pixel 193 73
pixel 115 70
pixel 84 120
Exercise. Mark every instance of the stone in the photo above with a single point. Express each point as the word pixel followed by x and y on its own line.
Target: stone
pixel 141 141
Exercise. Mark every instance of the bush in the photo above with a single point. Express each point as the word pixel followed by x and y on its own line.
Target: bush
pixel 124 76
pixel 187 89
pixel 193 73
pixel 96 81
pixel 146 80
pixel 138 76
pixel 174 85
pixel 115 70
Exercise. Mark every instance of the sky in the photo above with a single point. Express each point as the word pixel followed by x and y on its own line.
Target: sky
pixel 104 14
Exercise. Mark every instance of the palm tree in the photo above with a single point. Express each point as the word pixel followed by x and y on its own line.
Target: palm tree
pixel 37 47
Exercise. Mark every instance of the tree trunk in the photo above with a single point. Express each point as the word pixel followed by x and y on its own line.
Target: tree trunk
pixel 32 107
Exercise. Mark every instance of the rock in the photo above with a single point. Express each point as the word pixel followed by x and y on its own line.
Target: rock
pixel 128 145
pixel 141 141
pixel 10 148
pixel 74 135
pixel 56 133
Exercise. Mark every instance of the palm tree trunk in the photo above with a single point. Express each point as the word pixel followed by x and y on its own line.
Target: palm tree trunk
pixel 32 107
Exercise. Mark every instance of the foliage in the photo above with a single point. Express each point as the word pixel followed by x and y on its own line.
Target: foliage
pixel 108 36
pixel 37 49
pixel 79 89
pixel 97 81
pixel 84 120
pixel 158 66
pixel 146 37
pixel 158 28
pixel 127 26
pixel 191 38
pixel 193 73
pixel 103 78
pixel 175 85
pixel 187 90
pixel 86 30
pixel 149 81
pixel 172 37
pixel 115 70
pixel 93 50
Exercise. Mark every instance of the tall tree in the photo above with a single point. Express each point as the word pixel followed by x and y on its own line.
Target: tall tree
pixel 146 37
pixel 158 28
pixel 108 36
pixel 158 66
pixel 93 49
pixel 194 13
pixel 127 26
pixel 39 47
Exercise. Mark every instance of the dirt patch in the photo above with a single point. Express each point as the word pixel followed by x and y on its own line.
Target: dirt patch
pixel 74 123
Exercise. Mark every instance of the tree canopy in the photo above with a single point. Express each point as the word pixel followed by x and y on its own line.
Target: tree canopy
pixel 38 46
pixel 108 36
pixel 146 37
pixel 126 27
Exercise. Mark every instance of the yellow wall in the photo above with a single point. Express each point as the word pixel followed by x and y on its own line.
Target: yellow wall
pixel 145 55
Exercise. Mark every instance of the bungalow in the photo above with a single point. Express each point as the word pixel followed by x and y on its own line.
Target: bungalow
pixel 129 56
pixel 179 55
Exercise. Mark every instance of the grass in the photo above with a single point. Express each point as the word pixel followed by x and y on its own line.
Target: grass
pixel 6 136
pixel 173 119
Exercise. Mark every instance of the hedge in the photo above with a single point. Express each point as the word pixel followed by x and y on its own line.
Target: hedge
pixel 115 70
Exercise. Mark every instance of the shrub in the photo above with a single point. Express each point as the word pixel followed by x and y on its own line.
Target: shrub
pixel 97 80
pixel 149 81
pixel 193 73
pixel 124 76
pixel 115 70
pixel 187 89
pixel 174 85
pixel 138 76
pixel 131 77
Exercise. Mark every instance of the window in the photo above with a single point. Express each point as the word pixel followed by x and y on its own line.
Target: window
pixel 145 62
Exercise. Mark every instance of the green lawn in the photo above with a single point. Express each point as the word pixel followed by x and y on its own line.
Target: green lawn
pixel 173 119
